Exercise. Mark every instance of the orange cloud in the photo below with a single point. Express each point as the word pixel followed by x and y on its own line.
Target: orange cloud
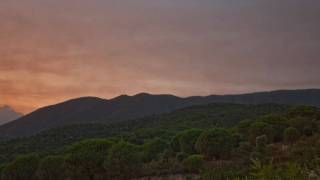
pixel 53 50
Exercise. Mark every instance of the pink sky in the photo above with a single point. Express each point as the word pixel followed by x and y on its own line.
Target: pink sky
pixel 53 50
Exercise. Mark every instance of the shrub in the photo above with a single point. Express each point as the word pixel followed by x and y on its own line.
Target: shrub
pixel 23 167
pixel 153 148
pixel 193 163
pixel 84 160
pixel 261 142
pixel 181 156
pixel 124 161
pixel 188 140
pixel 215 143
pixel 222 170
pixel 291 135
pixel 51 168
pixel 262 128
pixel 286 171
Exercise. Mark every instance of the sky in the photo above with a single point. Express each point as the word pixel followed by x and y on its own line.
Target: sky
pixel 54 50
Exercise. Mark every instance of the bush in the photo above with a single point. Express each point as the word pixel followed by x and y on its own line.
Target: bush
pixel 51 168
pixel 291 135
pixel 153 148
pixel 175 143
pixel 1 169
pixel 188 140
pixel 261 142
pixel 22 168
pixel 222 170
pixel 262 128
pixel 84 160
pixel 286 171
pixel 181 156
pixel 215 143
pixel 193 163
pixel 124 161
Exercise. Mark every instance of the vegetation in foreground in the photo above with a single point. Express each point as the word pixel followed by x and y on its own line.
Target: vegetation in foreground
pixel 282 145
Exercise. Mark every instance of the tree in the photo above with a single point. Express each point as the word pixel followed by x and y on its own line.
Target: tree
pixel 185 141
pixel 215 143
pixel 51 168
pixel 194 163
pixel 2 166
pixel 175 143
pixel 85 159
pixel 124 161
pixel 261 142
pixel 153 148
pixel 22 168
pixel 181 156
pixel 188 139
pixel 299 122
pixel 291 135
pixel 261 128
pixel 278 124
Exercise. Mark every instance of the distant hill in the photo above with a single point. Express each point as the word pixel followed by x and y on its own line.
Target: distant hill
pixel 7 114
pixel 96 110
pixel 161 126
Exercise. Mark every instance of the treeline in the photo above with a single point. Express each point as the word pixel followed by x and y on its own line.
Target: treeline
pixel 164 126
pixel 276 146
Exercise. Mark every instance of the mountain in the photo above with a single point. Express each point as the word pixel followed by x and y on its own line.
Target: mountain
pixel 157 126
pixel 7 114
pixel 96 110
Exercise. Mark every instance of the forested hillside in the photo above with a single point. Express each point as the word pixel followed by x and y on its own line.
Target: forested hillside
pixel 212 142
pixel 124 108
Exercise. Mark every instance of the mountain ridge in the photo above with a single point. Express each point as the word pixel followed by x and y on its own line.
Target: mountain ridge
pixel 124 107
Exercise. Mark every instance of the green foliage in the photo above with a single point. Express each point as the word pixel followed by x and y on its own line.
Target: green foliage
pixel 1 169
pixel 261 172
pixel 215 143
pixel 299 122
pixel 291 135
pixel 287 146
pixel 236 138
pixel 261 142
pixel 175 143
pixel 305 151
pixel 303 111
pixel 153 148
pixel 124 160
pixel 278 123
pixel 194 163
pixel 51 168
pixel 223 171
pixel 186 141
pixel 22 168
pixel 262 128
pixel 164 126
pixel 84 160
pixel 286 171
pixel 181 156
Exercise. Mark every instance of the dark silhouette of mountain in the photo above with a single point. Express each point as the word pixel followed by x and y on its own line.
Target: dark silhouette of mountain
pixel 96 110
pixel 8 114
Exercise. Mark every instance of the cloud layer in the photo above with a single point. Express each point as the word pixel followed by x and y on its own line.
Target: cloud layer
pixel 52 50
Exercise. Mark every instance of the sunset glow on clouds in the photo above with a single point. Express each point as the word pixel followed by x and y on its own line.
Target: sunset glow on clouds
pixel 53 50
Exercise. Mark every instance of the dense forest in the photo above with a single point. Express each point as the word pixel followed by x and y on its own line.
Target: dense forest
pixel 217 141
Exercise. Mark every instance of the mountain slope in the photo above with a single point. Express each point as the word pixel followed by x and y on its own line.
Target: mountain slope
pixel 7 114
pixel 96 110
pixel 163 125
